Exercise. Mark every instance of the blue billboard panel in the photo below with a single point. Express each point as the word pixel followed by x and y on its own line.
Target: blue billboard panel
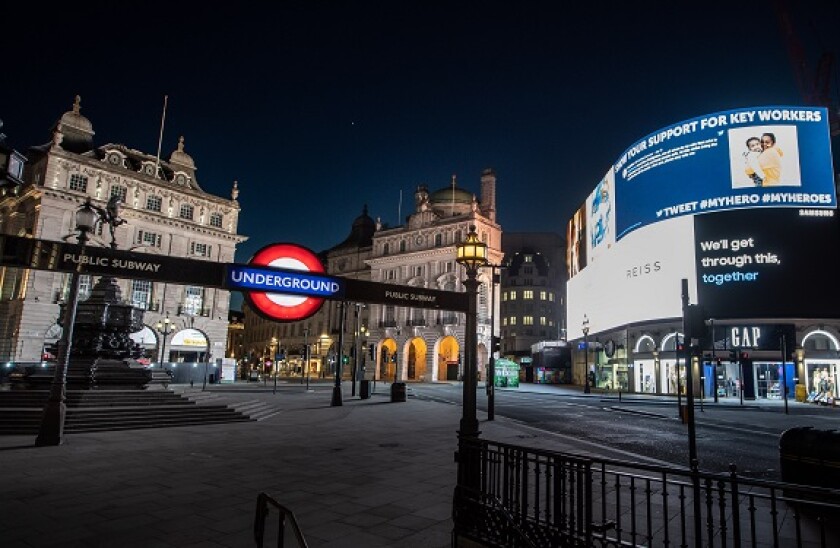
pixel 776 156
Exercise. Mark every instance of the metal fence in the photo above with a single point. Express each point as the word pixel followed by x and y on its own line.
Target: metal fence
pixel 531 497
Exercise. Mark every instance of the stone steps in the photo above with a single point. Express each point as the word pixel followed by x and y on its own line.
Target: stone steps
pixel 91 411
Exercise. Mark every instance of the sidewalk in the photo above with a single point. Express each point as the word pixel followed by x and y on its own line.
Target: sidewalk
pixel 368 473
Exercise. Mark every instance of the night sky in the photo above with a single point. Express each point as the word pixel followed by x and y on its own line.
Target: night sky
pixel 318 108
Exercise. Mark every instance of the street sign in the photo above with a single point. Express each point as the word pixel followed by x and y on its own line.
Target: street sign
pixel 301 295
pixel 283 282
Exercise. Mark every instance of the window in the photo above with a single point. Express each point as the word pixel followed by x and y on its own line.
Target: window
pixel 543 320
pixel 504 321
pixel 85 285
pixel 392 274
pixel 504 295
pixel 513 320
pixel 438 240
pixel 527 320
pixel 386 248
pixel 527 294
pixel 141 293
pixel 457 236
pixel 512 294
pixel 529 258
pixel 154 203
pixel 151 239
pixel 527 269
pixel 418 270
pixel 551 296
pixel 119 191
pixel 193 300
pixel 402 246
pixel 449 267
pixel 186 212
pixel 542 295
pixel 78 182
pixel 200 249
pixel 528 281
pixel 216 220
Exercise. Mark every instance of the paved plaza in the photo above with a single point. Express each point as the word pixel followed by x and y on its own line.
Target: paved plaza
pixel 369 473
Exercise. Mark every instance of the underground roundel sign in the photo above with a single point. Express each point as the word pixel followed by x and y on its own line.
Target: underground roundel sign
pixel 298 293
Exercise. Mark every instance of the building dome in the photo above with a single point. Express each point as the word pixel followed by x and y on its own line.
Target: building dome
pixel 76 130
pixel 74 119
pixel 451 194
pixel 361 235
pixel 181 158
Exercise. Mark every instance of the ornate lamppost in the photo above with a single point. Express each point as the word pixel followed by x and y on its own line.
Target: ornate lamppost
pixel 336 395
pixel 472 255
pixel 586 387
pixel 273 354
pixel 306 355
pixel 52 424
pixel 165 328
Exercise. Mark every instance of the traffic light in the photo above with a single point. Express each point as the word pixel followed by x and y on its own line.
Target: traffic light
pixel 717 361
pixel 497 344
pixel 745 355
pixel 345 359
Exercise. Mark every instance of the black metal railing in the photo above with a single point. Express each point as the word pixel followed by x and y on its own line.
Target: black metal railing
pixel 559 499
pixel 263 501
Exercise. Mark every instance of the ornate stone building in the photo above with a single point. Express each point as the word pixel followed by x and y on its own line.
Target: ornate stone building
pixel 414 344
pixel 167 213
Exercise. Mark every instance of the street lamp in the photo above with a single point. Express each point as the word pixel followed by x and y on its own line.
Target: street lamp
pixel 586 387
pixel 306 355
pixel 491 366
pixel 656 373
pixel 472 255
pixel 52 424
pixel 355 371
pixel 165 328
pixel 273 353
pixel 336 395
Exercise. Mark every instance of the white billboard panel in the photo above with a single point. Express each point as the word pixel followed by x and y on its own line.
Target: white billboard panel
pixel 638 280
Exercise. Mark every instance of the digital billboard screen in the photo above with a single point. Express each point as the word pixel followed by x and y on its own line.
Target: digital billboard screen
pixel 739 202
pixel 776 156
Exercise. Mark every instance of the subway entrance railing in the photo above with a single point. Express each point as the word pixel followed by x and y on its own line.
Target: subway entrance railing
pixel 529 497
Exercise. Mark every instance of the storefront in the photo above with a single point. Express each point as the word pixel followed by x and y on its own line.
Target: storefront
pixel 769 379
pixel 821 380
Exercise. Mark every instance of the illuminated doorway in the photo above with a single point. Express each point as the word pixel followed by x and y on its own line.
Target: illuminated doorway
pixel 416 359
pixel 448 359
pixel 387 359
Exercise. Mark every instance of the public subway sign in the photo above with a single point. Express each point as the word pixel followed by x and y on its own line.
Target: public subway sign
pixel 284 282
pixel 16 251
